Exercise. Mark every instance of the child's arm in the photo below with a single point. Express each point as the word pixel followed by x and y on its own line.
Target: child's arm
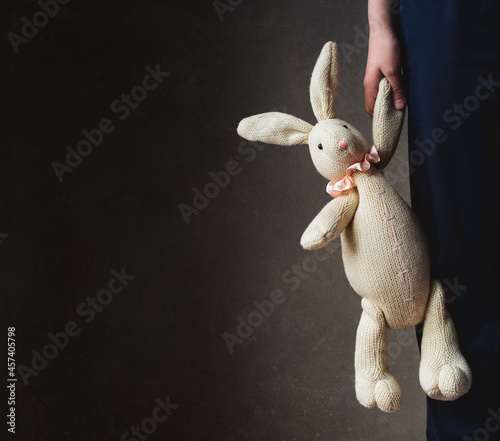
pixel 384 54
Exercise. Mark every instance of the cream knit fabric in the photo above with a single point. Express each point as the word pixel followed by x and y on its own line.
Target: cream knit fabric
pixel 444 373
pixel 384 248
pixel 387 124
pixel 375 386
pixel 385 252
pixel 331 220
pixel 276 128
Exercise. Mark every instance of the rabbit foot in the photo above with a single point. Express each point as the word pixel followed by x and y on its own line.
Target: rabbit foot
pixel 446 383
pixel 384 393
pixel 375 385
pixel 444 372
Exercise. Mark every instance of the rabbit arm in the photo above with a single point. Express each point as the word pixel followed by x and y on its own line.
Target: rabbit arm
pixel 387 123
pixel 330 221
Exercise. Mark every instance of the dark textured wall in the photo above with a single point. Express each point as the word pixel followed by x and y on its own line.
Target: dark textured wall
pixel 66 234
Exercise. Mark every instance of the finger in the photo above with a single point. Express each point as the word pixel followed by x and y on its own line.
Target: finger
pixel 370 84
pixel 398 91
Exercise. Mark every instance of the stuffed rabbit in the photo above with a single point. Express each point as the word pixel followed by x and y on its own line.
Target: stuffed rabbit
pixel 384 248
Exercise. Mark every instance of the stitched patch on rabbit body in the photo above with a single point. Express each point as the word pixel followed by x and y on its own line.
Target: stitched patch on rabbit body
pixel 372 261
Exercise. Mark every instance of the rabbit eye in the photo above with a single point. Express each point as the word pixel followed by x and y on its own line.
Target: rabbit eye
pixel 320 146
pixel 345 127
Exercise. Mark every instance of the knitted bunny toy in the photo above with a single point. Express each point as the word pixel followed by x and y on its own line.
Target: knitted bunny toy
pixel 384 248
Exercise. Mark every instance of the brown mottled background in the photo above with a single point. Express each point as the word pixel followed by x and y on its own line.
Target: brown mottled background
pixel 291 380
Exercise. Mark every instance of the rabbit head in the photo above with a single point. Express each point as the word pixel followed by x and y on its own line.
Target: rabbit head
pixel 334 144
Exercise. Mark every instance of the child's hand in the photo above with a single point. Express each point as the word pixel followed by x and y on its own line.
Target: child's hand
pixel 384 57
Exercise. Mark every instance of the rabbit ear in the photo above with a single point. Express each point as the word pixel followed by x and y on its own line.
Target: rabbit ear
pixel 387 123
pixel 275 128
pixel 325 82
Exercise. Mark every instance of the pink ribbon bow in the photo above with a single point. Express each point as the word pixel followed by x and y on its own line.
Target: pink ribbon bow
pixel 335 189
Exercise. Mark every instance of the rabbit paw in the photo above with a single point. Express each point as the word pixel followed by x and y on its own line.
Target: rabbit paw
pixel 385 393
pixel 314 237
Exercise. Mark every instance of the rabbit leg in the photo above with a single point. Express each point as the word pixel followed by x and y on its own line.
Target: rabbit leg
pixel 375 385
pixel 444 372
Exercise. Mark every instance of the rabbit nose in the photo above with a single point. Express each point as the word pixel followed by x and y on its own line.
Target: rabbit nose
pixel 342 144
